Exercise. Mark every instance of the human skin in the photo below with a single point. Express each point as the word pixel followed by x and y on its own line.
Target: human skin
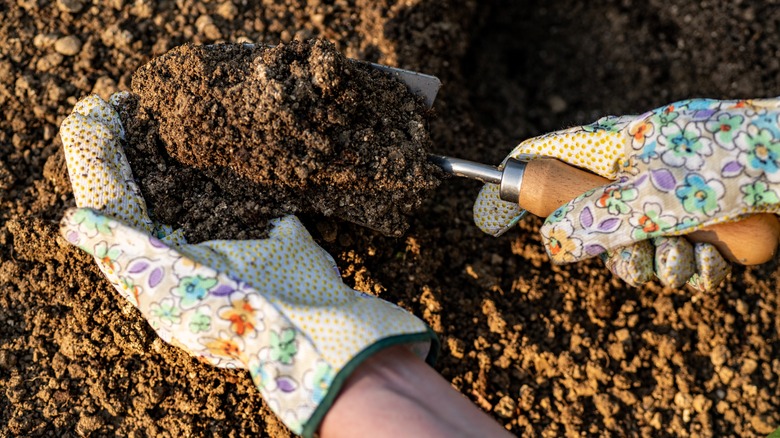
pixel 395 394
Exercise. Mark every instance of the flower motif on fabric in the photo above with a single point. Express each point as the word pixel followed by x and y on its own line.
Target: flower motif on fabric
pixel 615 199
pixel 225 345
pixel 259 374
pixel 750 107
pixel 738 104
pixel 640 131
pixel 107 256
pixel 201 321
pixel 700 196
pixel 699 109
pixel 193 289
pixel 759 193
pixel 684 147
pixel 242 316
pixel 760 153
pixel 560 244
pixel 164 313
pixel 283 346
pixel 228 286
pixel 648 153
pixel 666 115
pixel 687 223
pixel 651 221
pixel 90 223
pixel 145 267
pixel 268 378
pixel 769 120
pixel 724 127
pixel 186 267
pixel 607 123
pixel 630 166
pixel 286 384
pixel 131 289
pixel 559 213
pixel 317 381
pixel 591 225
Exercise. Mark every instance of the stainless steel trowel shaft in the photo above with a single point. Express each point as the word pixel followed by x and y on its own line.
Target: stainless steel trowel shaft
pixel 509 178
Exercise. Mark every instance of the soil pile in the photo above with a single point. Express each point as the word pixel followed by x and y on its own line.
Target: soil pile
pixel 297 128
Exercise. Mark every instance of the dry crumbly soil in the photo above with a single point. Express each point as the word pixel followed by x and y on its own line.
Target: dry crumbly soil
pixel 297 128
pixel 548 351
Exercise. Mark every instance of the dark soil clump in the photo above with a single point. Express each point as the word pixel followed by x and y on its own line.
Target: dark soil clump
pixel 297 128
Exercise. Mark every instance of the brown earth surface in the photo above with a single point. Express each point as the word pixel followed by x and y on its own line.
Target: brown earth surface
pixel 297 128
pixel 546 350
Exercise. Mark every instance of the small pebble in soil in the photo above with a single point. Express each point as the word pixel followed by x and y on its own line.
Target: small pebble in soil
pixel 70 6
pixel 69 45
pixel 720 354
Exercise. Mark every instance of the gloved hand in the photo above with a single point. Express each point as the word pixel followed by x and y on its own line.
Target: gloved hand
pixel 677 169
pixel 276 306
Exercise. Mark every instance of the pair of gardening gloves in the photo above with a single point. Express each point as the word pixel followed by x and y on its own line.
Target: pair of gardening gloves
pixel 278 308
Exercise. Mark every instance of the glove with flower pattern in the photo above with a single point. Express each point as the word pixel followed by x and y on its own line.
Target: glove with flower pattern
pixel 676 169
pixel 276 306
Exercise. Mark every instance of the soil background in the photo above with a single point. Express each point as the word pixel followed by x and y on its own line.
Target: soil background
pixel 548 351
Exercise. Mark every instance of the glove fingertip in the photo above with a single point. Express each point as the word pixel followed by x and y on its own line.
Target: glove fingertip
pixel 99 172
pixel 711 268
pixel 94 108
pixel 674 261
pixel 117 99
pixel 632 263
pixel 493 215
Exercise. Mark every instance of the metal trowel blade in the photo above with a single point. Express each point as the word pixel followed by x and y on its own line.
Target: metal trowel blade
pixel 420 84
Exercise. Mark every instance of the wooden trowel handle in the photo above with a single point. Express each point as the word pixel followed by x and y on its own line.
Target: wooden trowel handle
pixel 549 183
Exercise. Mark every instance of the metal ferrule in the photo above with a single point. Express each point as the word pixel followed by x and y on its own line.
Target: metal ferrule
pixel 511 180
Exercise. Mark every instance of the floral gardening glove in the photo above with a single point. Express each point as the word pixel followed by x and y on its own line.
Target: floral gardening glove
pixel 276 306
pixel 676 169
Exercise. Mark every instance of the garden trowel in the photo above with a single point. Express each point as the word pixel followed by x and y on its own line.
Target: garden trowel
pixel 540 186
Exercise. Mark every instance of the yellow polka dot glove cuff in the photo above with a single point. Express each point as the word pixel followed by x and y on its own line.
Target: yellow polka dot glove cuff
pixel 276 306
pixel 676 169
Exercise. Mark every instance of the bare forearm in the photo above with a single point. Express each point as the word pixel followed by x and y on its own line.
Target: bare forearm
pixel 394 394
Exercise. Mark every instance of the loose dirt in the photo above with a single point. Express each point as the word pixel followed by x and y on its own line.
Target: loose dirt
pixel 547 351
pixel 297 128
